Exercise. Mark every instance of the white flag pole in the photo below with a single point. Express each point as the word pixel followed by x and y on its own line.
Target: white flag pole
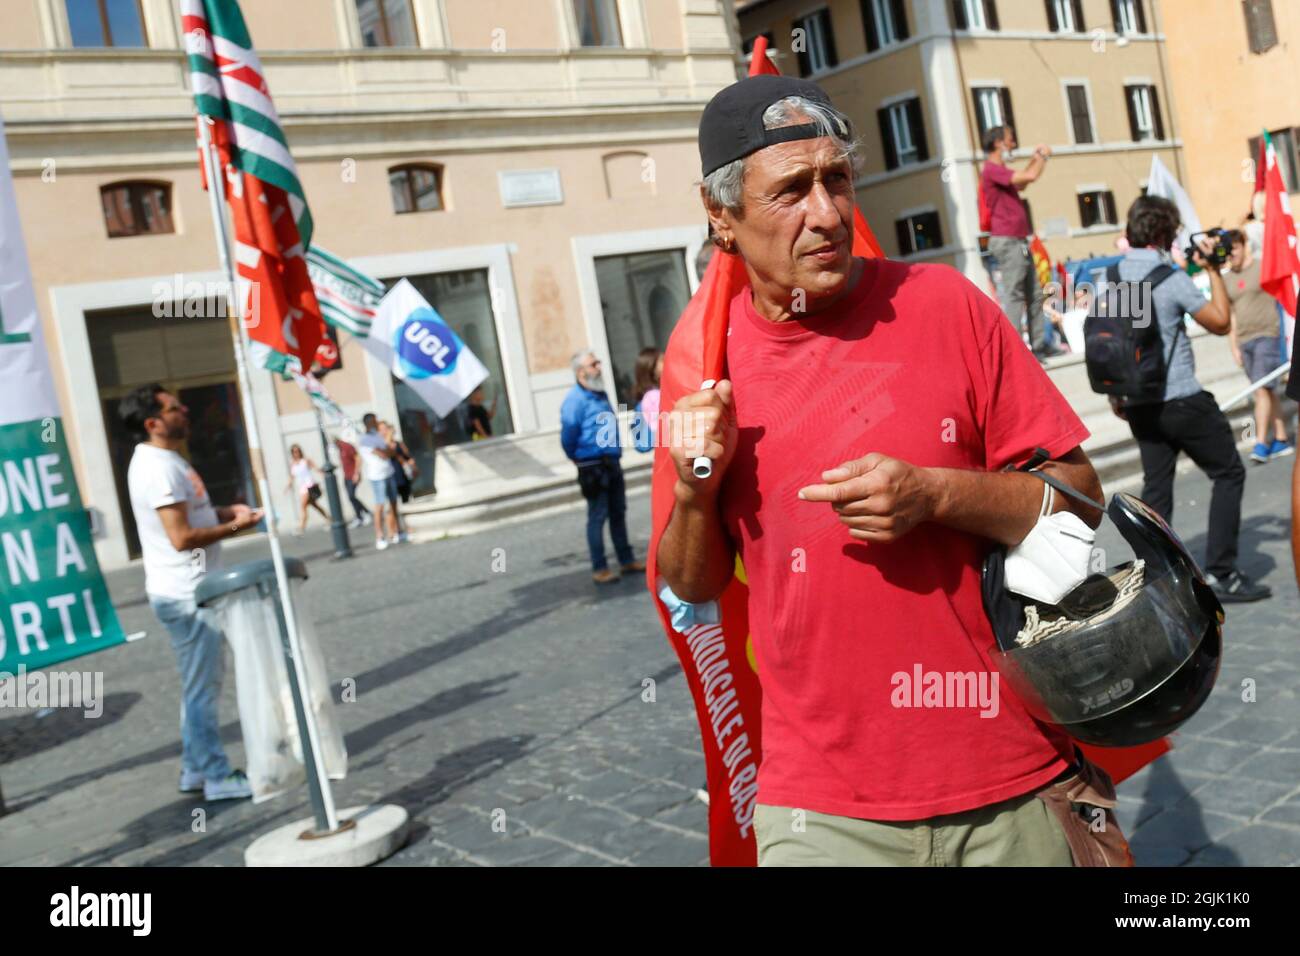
pixel 318 779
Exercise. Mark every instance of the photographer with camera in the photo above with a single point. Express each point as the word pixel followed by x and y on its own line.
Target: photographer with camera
pixel 1185 417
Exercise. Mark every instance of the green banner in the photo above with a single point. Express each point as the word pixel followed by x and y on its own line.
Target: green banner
pixel 55 605
pixel 53 601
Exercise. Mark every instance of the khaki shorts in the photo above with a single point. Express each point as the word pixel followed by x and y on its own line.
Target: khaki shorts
pixel 1018 832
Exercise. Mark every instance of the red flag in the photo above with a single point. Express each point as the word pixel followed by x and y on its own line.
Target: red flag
pixel 282 311
pixel 718 659
pixel 1279 272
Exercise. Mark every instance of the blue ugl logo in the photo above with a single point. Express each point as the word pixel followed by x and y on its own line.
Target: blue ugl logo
pixel 425 346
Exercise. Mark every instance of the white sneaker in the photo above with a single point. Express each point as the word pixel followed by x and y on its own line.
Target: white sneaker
pixel 191 782
pixel 381 544
pixel 354 524
pixel 234 787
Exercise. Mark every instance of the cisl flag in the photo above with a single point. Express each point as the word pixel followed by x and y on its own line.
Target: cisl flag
pixel 272 223
pixel 409 336
pixel 53 602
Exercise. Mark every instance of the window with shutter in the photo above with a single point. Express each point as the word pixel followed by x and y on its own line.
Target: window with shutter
pixel 137 208
pixel 1097 209
pixel 1065 16
pixel 884 21
pixel 1080 118
pixel 1144 120
pixel 1261 30
pixel 899 8
pixel 918 233
pixel 1128 16
pixel 887 138
pixel 1008 116
pixel 916 129
pixel 814 43
pixel 988 108
pixel 974 14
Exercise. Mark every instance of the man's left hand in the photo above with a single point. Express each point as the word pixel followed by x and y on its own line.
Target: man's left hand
pixel 879 498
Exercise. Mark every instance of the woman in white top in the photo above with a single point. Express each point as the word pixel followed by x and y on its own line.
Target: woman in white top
pixel 300 474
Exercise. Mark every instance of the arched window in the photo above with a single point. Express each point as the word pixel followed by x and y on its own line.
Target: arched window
pixel 416 187
pixel 137 208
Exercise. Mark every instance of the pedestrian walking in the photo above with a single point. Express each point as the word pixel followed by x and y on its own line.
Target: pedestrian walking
pixel 380 469
pixel 351 479
pixel 404 467
pixel 589 436
pixel 180 534
pixel 302 476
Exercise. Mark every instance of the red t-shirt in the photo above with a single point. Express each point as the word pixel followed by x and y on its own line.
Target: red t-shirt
pixel 918 364
pixel 1006 212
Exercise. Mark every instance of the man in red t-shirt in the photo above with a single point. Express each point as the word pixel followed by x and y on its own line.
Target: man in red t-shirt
pixel 857 451
pixel 1021 292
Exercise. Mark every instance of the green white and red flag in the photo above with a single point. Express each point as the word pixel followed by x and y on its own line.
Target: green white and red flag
pixel 1280 270
pixel 269 212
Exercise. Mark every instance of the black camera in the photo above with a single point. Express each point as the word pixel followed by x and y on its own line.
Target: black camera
pixel 1216 256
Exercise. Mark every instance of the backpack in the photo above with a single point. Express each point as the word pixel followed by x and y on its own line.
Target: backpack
pixel 1123 348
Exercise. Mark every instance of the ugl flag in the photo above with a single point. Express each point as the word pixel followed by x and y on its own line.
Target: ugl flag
pixel 53 602
pixel 272 223
pixel 410 337
pixel 1279 272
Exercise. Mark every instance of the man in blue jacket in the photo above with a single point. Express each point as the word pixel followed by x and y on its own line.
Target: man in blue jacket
pixel 589 434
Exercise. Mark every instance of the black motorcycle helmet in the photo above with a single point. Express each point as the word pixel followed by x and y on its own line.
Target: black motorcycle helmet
pixel 1127 656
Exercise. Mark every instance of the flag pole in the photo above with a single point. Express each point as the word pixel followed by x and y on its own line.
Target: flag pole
pixel 317 780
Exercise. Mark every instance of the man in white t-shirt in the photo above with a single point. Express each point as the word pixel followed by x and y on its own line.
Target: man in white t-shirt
pixel 380 469
pixel 180 533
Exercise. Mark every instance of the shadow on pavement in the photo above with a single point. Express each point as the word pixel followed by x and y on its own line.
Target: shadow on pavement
pixel 1175 834
pixel 27 735
pixel 1254 530
pixel 457 770
pixel 439 705
pixel 178 817
pixel 527 603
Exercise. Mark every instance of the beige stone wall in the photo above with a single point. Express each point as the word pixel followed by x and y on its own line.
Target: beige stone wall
pixel 528 26
pixel 296 25
pixel 1225 94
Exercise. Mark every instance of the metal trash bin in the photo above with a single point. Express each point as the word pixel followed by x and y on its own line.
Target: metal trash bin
pixel 247 600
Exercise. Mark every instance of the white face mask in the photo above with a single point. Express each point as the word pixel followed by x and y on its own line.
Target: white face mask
pixel 1053 559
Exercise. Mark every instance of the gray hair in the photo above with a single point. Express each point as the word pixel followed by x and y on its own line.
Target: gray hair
pixel 576 363
pixel 725 186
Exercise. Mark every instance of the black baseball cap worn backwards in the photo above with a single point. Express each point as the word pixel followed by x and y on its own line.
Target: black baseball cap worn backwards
pixel 732 124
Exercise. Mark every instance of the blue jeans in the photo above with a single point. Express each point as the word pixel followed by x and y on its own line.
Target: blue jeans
pixel 602 486
pixel 199 647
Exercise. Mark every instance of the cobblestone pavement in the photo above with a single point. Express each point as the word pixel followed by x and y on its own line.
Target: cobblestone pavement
pixel 521 694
